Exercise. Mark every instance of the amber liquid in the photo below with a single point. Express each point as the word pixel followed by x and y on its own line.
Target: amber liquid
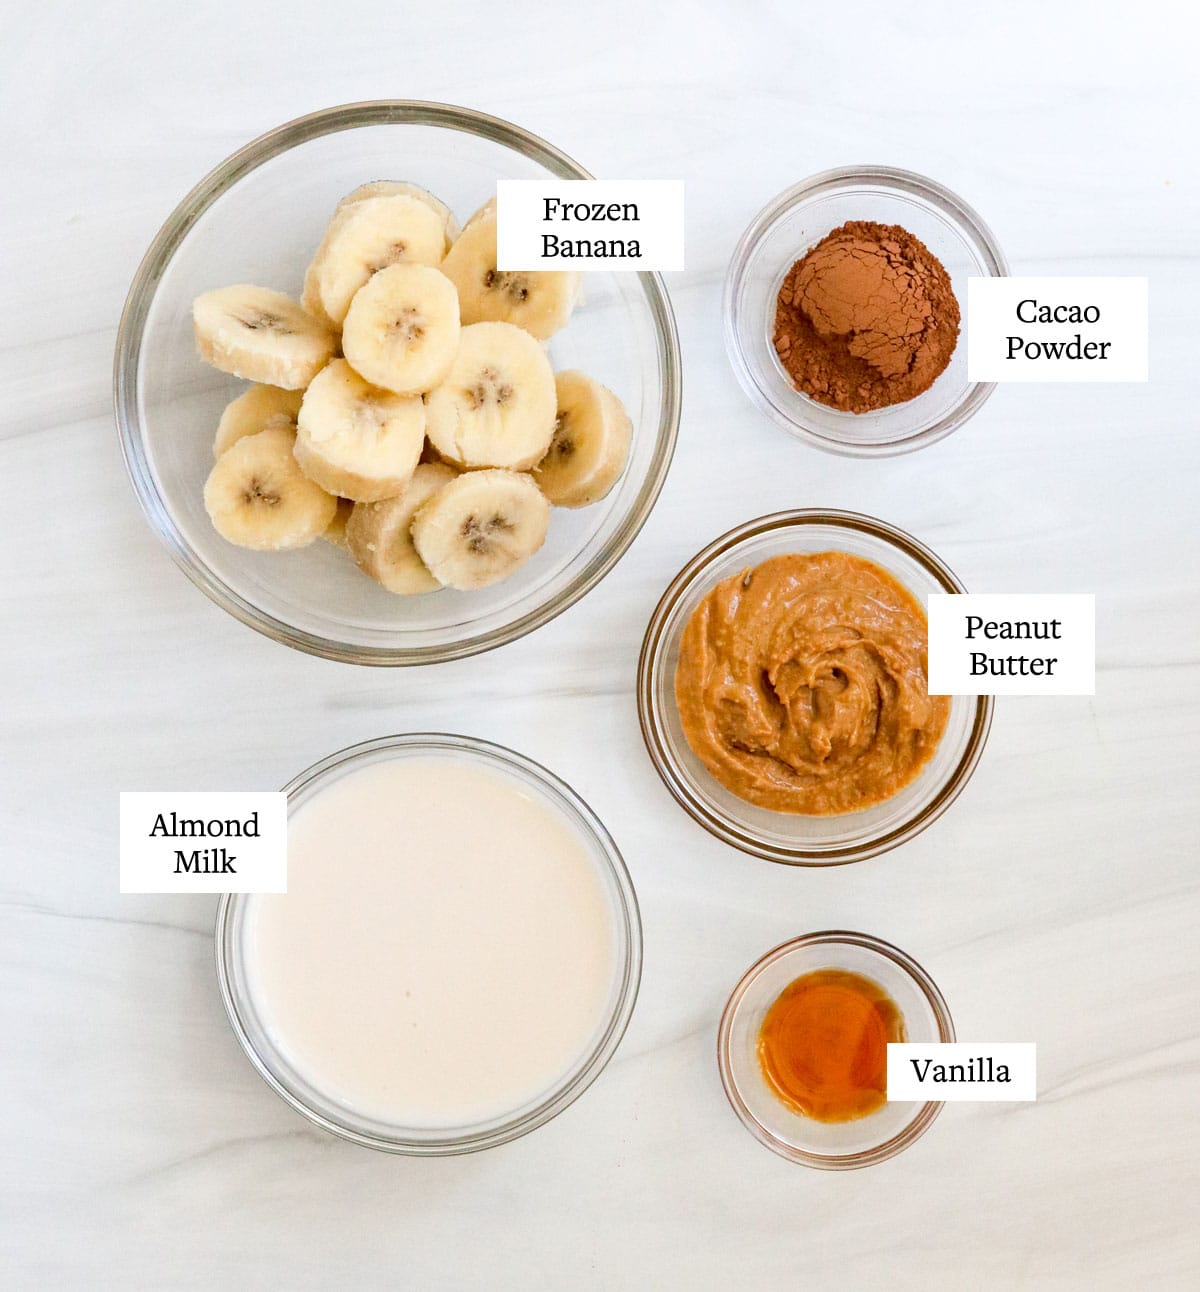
pixel 823 1045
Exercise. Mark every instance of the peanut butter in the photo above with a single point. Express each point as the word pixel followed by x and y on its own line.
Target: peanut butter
pixel 802 684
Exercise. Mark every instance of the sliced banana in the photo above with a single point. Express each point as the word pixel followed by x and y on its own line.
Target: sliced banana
pixel 261 335
pixel 335 531
pixel 591 442
pixel 480 527
pixel 488 208
pixel 401 331
pixel 379 536
pixel 310 298
pixel 367 236
pixel 387 187
pixel 258 497
pixel 254 411
pixel 496 406
pixel 539 301
pixel 355 439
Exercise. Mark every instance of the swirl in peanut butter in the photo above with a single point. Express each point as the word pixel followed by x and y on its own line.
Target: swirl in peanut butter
pixel 802 685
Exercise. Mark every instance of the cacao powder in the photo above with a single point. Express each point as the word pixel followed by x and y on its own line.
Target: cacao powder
pixel 866 318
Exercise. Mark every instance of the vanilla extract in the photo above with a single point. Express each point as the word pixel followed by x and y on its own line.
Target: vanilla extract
pixel 822 1045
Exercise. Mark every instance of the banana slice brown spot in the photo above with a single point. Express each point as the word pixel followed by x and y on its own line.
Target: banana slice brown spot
pixel 257 492
pixel 562 446
pixel 261 319
pixel 491 388
pixel 480 534
pixel 514 286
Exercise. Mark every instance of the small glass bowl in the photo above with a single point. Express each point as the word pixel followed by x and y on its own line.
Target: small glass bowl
pixel 235 979
pixel 798 219
pixel 258 218
pixel 832 1146
pixel 782 836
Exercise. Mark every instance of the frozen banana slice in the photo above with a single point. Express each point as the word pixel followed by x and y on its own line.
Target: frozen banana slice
pixel 367 236
pixel 256 410
pixel 355 439
pixel 540 301
pixel 310 298
pixel 379 536
pixel 480 527
pixel 591 442
pixel 496 406
pixel 261 335
pixel 335 531
pixel 488 208
pixel 257 496
pixel 388 187
pixel 401 331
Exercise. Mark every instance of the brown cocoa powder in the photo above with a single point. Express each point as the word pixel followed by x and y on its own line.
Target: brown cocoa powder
pixel 867 318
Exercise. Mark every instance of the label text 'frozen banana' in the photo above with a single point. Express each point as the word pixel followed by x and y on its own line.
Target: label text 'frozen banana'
pixel 589 225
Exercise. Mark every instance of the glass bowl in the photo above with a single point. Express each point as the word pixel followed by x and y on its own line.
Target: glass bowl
pixel 258 218
pixel 782 836
pixel 829 1145
pixel 235 917
pixel 782 232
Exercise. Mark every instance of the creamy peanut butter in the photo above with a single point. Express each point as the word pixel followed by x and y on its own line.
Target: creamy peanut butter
pixel 802 684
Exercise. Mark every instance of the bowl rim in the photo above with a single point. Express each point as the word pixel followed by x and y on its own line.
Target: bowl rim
pixel 587 1068
pixel 126 360
pixel 929 190
pixel 651 661
pixel 928 1111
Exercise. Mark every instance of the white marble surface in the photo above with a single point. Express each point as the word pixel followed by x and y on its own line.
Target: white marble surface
pixel 1058 901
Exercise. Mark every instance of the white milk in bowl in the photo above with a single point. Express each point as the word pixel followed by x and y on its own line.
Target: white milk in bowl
pixel 447 950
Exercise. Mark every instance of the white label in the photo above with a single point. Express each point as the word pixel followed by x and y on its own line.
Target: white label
pixel 1058 329
pixel 589 224
pixel 203 843
pixel 1021 643
pixel 959 1072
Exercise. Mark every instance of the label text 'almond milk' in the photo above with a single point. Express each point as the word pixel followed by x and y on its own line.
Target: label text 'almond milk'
pixel 203 842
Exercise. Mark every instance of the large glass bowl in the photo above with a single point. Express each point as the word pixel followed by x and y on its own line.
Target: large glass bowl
pixel 258 218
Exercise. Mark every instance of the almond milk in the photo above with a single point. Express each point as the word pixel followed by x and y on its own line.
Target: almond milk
pixel 446 949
